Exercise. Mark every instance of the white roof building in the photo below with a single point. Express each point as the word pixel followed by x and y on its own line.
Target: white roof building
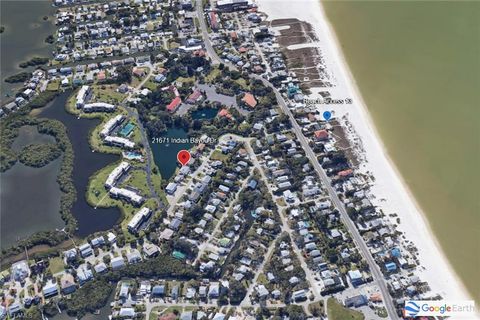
pixel 120 142
pixel 82 96
pixel 116 174
pixel 98 106
pixel 126 194
pixel 111 124
pixel 141 216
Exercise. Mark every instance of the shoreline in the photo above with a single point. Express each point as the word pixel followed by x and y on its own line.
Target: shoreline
pixel 438 271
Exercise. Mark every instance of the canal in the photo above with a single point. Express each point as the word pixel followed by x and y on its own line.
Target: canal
pixel 86 163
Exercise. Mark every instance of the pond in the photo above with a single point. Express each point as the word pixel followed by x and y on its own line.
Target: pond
pixel 205 113
pixel 165 151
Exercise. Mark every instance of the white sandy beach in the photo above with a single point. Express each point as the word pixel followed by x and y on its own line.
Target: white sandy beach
pixel 388 182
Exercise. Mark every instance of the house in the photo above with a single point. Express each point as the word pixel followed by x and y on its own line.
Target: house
pixel 186 315
pixel 97 242
pixel 356 301
pixel 249 100
pixel 262 291
pixel 391 266
pixel 70 254
pixel 134 257
pixel 321 134
pixel 299 295
pixel 100 268
pixel 126 313
pixel 195 97
pixel 158 291
pixel 356 277
pixel 67 284
pixel 84 274
pixel 13 310
pixel 117 263
pixel 20 270
pixel 85 250
pixel 150 250
pixel 50 289
pixel 174 104
pixel 214 290
pixel 171 188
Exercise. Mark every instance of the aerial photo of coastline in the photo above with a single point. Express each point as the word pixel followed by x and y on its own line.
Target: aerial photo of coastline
pixel 239 159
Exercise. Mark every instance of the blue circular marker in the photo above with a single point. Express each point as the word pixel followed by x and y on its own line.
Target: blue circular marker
pixel 327 115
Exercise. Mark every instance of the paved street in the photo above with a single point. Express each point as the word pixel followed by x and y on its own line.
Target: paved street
pixel 376 273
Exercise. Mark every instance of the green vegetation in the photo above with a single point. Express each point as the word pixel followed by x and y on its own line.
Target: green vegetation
pixel 56 265
pixel 317 309
pixel 50 39
pixel 336 311
pixel 94 294
pixel 89 298
pixel 39 155
pixel 35 61
pixel 19 77
pixel 42 99
pixel 9 131
pixel 2 29
pixel 218 155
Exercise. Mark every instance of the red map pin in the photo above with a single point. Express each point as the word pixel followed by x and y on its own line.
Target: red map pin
pixel 183 156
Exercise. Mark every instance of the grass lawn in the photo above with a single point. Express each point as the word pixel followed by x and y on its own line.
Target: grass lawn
pixel 53 85
pixel 218 155
pixel 150 84
pixel 56 265
pixel 243 83
pixel 156 311
pixel 107 93
pixel 212 75
pixel 137 178
pixel 97 195
pixel 336 311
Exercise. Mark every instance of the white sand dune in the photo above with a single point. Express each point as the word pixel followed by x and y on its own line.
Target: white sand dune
pixel 392 194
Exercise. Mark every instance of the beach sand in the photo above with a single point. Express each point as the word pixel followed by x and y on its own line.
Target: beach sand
pixel 391 192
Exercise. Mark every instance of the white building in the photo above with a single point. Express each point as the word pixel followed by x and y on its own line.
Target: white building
pixel 116 174
pixel 140 217
pixel 111 124
pixel 129 195
pixel 83 96
pixel 119 142
pixel 99 107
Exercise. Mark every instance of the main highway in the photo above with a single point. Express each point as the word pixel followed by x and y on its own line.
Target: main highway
pixel 376 273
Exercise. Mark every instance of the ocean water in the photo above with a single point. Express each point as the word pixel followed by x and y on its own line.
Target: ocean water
pixel 24 37
pixel 417 64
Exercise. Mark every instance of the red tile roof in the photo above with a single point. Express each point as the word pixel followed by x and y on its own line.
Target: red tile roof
pixel 321 134
pixel 174 104
pixel 225 113
pixel 345 173
pixel 249 99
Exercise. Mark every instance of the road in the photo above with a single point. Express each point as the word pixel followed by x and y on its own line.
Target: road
pixel 376 273
pixel 148 152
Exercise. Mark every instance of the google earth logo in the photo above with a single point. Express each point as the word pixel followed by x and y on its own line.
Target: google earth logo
pixel 411 308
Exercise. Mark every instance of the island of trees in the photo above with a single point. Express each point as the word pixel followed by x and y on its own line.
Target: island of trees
pixel 39 155
pixel 35 61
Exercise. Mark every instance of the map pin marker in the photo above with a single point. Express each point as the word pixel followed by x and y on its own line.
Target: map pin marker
pixel 183 156
pixel 327 115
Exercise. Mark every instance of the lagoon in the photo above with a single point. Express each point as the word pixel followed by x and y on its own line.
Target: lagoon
pixel 86 163
pixel 165 150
